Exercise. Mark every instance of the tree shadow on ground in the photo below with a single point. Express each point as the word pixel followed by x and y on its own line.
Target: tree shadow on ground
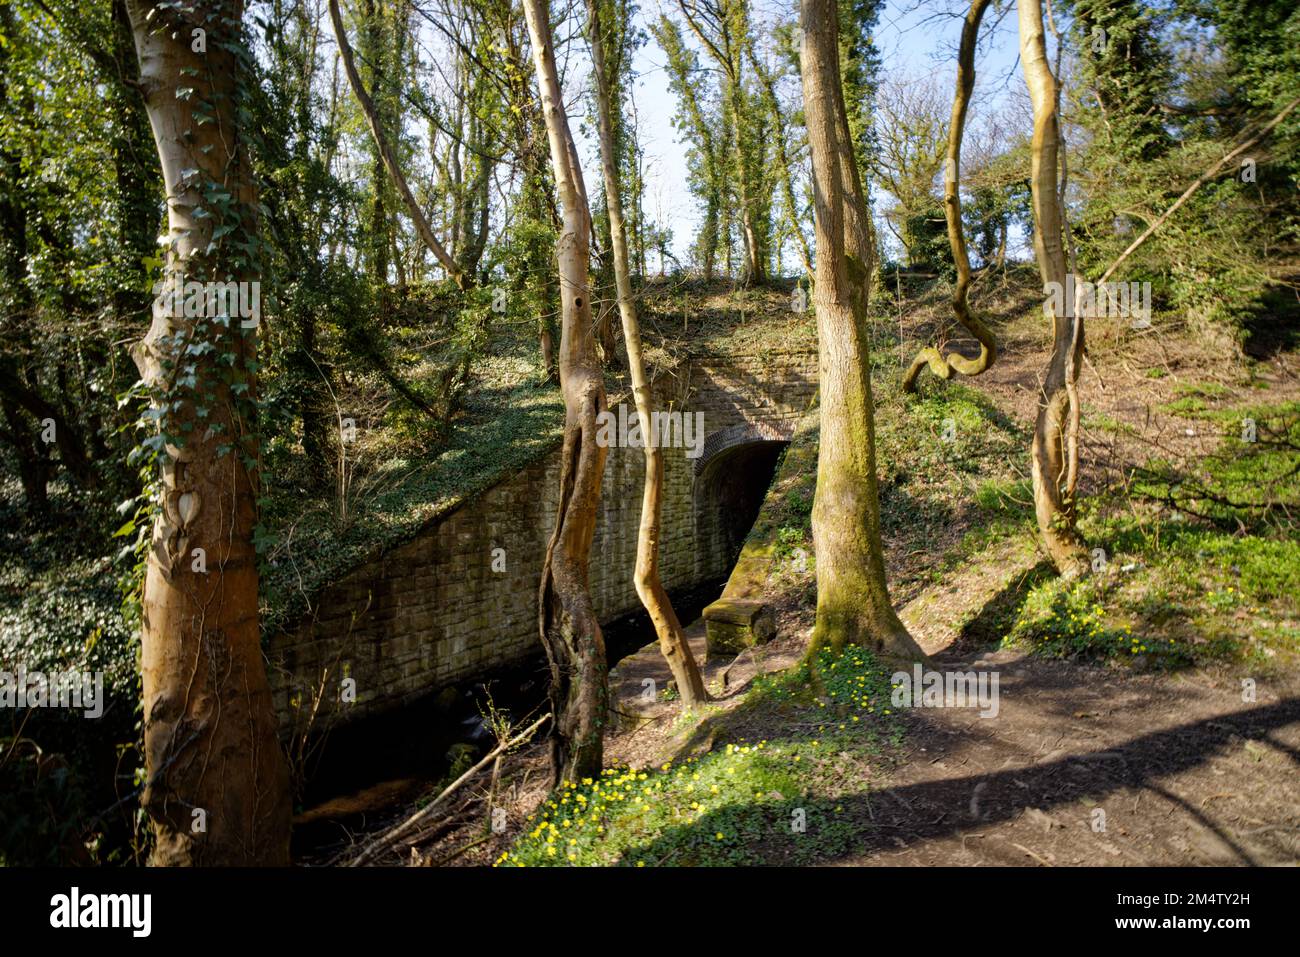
pixel 997 615
pixel 824 830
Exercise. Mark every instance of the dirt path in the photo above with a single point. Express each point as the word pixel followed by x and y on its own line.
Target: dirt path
pixel 1082 765
pixel 1090 765
pixel 1087 766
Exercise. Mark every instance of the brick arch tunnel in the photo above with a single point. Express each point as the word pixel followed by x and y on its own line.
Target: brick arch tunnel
pixel 732 476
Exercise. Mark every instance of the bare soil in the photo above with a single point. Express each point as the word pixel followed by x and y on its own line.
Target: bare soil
pixel 1083 764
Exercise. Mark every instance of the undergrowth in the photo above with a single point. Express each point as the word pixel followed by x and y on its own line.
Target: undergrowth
pixel 782 799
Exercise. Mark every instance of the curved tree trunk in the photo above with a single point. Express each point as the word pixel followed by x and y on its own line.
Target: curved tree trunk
pixel 1052 473
pixel 218 788
pixel 672 640
pixel 567 620
pixel 853 604
pixel 941 365
pixel 389 158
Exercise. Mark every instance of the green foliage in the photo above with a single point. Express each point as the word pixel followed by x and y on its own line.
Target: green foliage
pixel 1251 480
pixel 1164 92
pixel 860 73
pixel 1172 595
pixel 42 808
pixel 1202 563
pixel 737 804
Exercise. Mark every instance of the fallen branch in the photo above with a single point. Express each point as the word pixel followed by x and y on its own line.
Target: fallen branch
pixel 1204 178
pixel 461 850
pixel 393 834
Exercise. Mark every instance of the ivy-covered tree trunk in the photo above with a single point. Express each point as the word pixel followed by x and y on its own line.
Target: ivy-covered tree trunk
pixel 755 269
pixel 707 180
pixel 1054 450
pixel 722 27
pixel 218 789
pixel 853 604
pixel 767 84
pixel 567 619
pixel 672 640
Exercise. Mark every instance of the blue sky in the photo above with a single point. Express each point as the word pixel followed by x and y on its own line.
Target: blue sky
pixel 914 38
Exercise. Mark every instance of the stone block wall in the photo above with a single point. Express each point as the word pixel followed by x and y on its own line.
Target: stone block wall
pixel 433 611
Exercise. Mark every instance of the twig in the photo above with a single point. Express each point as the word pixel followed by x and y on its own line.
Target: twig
pixel 457 853
pixel 1205 177
pixel 388 837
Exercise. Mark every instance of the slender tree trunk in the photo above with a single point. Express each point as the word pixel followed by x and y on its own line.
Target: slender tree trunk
pixel 217 790
pixel 387 155
pixel 853 604
pixel 755 271
pixel 1053 501
pixel 709 234
pixel 570 631
pixel 68 437
pixel 941 365
pixel 782 157
pixel 672 640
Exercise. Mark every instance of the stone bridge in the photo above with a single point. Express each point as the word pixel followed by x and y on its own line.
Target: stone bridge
pixel 459 599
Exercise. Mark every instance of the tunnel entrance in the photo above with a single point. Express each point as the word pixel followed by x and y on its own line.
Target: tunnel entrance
pixel 731 483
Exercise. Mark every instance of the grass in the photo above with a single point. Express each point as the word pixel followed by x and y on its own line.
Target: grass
pixel 759 800
pixel 1171 597
pixel 1200 563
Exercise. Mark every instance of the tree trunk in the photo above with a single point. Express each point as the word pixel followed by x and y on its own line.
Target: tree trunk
pixel 33 466
pixel 755 271
pixel 852 598
pixel 217 790
pixel 567 620
pixel 672 640
pixel 1052 449
pixel 387 155
pixel 941 365
pixel 782 157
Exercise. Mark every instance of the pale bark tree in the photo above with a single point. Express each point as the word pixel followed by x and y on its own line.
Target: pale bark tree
pixel 853 604
pixel 944 365
pixel 672 640
pixel 217 789
pixel 570 631
pixel 1055 452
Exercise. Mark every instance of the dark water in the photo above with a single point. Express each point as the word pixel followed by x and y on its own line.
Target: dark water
pixel 415 743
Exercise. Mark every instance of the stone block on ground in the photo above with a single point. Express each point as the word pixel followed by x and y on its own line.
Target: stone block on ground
pixel 734 624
